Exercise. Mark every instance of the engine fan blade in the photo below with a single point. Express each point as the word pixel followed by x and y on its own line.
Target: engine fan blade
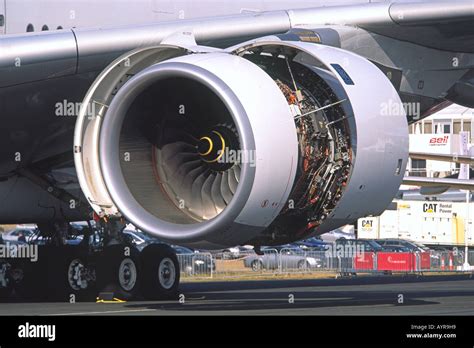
pixel 225 189
pixel 207 202
pixel 216 194
pixel 232 180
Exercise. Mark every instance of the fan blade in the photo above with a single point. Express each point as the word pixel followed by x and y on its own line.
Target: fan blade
pixel 232 181
pixel 195 203
pixel 216 193
pixel 237 172
pixel 207 202
pixel 225 190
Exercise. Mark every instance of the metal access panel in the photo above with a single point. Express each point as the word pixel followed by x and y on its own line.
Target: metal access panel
pixel 2 17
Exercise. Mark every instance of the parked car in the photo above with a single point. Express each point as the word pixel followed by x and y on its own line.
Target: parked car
pixel 234 252
pixel 31 234
pixel 364 245
pixel 20 234
pixel 396 248
pixel 313 244
pixel 289 248
pixel 290 258
pixel 140 239
pixel 410 245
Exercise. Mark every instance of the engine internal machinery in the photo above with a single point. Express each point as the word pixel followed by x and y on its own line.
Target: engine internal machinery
pixel 324 141
pixel 263 143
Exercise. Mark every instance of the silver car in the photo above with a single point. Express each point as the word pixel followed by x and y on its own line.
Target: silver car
pixel 288 259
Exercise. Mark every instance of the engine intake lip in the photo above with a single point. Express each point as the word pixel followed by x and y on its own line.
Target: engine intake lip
pixel 109 154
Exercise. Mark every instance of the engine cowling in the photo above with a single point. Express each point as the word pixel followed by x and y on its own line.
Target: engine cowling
pixel 263 143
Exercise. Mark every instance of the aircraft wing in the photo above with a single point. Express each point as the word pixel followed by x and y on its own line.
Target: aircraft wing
pixel 436 24
pixel 46 55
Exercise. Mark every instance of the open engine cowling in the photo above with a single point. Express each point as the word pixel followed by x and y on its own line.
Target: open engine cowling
pixel 263 143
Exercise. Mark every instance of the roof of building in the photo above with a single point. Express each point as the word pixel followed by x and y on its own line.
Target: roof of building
pixel 453 111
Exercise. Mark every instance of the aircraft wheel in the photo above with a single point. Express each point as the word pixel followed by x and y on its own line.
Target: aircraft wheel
pixel 70 278
pixel 118 271
pixel 29 279
pixel 160 272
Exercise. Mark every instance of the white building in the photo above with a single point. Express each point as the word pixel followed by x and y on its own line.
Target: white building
pixel 440 133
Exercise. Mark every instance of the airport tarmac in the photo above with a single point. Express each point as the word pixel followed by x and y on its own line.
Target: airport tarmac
pixel 433 295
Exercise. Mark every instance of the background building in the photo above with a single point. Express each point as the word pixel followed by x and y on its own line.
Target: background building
pixel 440 133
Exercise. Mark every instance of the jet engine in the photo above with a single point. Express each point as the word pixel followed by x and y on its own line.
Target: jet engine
pixel 264 143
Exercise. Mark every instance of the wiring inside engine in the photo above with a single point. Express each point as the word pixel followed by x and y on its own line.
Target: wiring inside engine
pixel 325 153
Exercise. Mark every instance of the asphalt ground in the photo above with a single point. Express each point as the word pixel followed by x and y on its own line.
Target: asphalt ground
pixel 383 295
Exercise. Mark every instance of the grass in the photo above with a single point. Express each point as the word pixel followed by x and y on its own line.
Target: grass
pixel 245 276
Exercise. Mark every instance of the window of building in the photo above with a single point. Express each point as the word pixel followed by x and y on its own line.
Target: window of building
pixel 2 20
pixel 418 167
pixel 44 28
pixel 30 28
pixel 428 128
pixel 457 125
pixel 59 28
pixel 443 126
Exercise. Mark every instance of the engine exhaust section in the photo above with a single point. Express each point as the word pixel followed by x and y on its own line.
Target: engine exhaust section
pixel 264 143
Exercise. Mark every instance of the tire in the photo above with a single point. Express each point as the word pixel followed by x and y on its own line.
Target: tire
pixel 118 271
pixel 160 272
pixel 67 275
pixel 29 279
pixel 257 265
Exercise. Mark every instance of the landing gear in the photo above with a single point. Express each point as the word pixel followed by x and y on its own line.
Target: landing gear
pixel 102 261
pixel 118 271
pixel 160 272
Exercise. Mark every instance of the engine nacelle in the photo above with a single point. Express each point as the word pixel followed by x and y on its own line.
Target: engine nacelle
pixel 264 143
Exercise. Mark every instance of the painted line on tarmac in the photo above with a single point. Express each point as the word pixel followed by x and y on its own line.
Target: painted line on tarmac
pixel 104 312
